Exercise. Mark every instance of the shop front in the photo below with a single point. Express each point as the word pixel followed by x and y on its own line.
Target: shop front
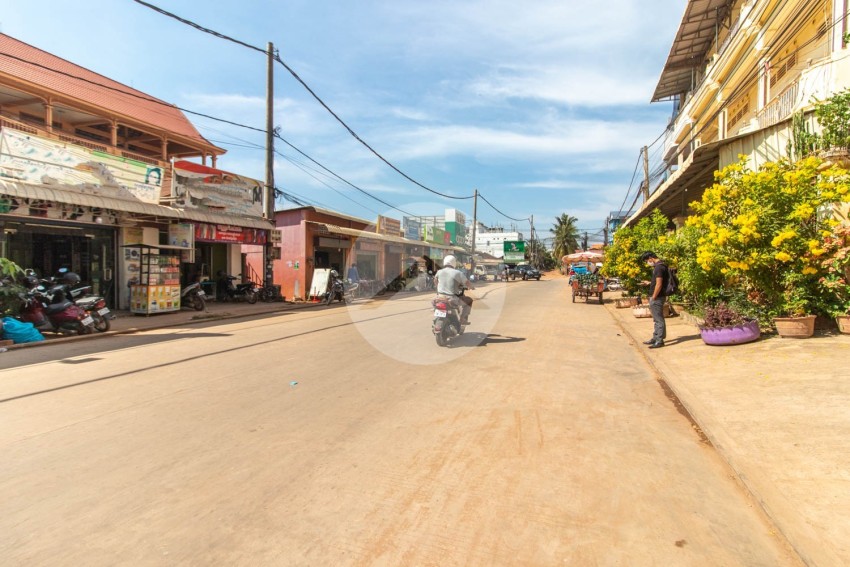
pixel 46 246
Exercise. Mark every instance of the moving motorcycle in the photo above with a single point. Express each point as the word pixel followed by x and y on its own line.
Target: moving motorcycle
pixel 193 297
pixel 447 325
pixel 237 292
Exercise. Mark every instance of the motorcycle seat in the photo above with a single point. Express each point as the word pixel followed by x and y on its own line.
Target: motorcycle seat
pixel 58 307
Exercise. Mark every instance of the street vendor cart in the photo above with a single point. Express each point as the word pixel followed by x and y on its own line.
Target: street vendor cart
pixel 587 285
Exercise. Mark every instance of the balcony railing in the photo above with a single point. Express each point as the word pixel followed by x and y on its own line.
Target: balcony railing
pixel 7 122
pixel 780 108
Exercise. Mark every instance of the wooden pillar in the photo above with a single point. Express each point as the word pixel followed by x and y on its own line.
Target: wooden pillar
pixel 48 116
pixel 114 133
pixel 164 142
pixel 214 161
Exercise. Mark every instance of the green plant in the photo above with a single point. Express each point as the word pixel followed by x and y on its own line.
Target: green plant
pixel 803 143
pixel 10 290
pixel 833 116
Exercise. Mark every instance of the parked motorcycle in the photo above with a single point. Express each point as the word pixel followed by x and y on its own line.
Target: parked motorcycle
pixel 94 305
pixel 340 290
pixel 237 292
pixel 47 313
pixel 193 297
pixel 446 325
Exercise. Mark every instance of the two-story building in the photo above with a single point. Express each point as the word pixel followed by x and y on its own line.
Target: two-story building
pixel 738 71
pixel 89 165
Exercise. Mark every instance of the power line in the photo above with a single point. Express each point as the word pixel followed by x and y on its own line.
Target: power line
pixel 292 72
pixel 285 141
pixel 128 93
pixel 498 211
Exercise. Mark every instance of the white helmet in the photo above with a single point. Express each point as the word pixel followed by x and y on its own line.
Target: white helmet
pixel 450 261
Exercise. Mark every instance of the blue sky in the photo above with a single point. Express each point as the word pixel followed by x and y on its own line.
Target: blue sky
pixel 542 106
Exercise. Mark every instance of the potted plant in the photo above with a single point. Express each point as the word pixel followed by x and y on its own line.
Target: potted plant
pixel 836 263
pixel 796 320
pixel 724 325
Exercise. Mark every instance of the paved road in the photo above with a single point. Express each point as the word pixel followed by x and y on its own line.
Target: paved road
pixel 342 436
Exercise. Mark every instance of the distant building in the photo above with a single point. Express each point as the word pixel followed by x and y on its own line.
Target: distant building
pixel 491 240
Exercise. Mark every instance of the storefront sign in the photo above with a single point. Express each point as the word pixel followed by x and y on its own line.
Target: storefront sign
pixel 28 207
pixel 226 233
pixel 436 253
pixel 412 228
pixel 34 159
pixel 389 226
pixel 183 235
pixel 197 186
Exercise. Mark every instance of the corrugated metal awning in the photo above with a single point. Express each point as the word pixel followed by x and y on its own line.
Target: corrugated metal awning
pixel 59 195
pixel 695 37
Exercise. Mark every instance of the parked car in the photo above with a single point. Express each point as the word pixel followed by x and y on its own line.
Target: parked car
pixel 528 272
pixel 508 271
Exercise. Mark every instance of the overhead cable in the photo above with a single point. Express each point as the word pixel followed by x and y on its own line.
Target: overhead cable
pixel 500 212
pixel 292 72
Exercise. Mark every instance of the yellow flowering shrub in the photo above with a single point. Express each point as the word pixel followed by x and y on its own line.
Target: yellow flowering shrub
pixel 763 231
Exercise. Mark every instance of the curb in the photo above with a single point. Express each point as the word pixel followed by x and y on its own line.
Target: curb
pixel 133 330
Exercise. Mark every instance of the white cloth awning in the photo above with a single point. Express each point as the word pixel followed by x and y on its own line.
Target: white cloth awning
pixel 59 195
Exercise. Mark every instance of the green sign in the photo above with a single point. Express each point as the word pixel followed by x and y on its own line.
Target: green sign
pixel 514 251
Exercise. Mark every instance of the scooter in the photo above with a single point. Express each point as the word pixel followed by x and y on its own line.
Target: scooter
pixel 61 316
pixel 237 292
pixel 94 305
pixel 193 297
pixel 447 325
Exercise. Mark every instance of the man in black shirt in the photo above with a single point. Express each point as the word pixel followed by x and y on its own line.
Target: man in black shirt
pixel 657 298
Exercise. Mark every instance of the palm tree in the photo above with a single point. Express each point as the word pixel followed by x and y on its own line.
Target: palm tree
pixel 566 235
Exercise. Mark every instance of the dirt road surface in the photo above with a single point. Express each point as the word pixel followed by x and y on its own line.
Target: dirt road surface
pixel 338 436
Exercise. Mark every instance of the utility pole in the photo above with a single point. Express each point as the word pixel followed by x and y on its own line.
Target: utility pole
pixel 584 242
pixel 645 174
pixel 268 195
pixel 605 234
pixel 474 228
pixel 533 255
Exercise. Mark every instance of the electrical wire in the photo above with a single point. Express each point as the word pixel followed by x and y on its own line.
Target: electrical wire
pixel 390 205
pixel 278 59
pixel 500 212
pixel 128 93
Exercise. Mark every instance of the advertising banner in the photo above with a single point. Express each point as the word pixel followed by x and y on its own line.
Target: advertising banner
pixel 232 234
pixel 412 228
pixel 42 161
pixel 514 251
pixel 196 186
pixel 389 226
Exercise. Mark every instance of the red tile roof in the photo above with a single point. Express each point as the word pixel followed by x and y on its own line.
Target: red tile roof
pixel 32 65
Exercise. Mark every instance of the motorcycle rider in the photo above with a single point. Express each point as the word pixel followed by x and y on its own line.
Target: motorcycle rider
pixel 451 281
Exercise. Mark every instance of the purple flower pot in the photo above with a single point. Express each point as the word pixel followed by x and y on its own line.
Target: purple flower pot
pixel 739 334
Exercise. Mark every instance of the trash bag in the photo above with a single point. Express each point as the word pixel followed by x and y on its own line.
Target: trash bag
pixel 20 332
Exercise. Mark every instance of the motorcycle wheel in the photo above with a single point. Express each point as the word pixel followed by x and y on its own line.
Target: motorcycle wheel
pixel 198 303
pixel 101 323
pixel 441 338
pixel 252 297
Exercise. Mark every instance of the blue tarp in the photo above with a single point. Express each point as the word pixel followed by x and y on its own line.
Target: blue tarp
pixel 20 332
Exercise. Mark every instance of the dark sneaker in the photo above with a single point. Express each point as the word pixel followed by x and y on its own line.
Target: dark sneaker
pixel 659 344
pixel 649 342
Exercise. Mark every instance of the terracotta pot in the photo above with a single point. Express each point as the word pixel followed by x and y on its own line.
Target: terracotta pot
pixel 641 311
pixel 843 322
pixel 739 334
pixel 795 327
